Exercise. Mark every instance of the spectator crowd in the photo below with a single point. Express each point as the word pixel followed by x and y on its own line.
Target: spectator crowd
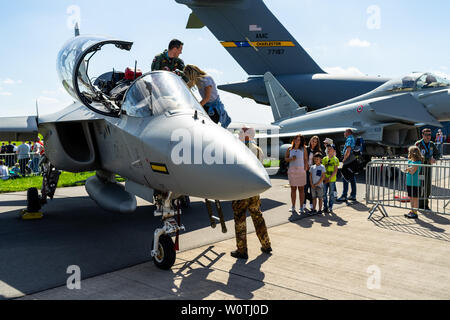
pixel 17 161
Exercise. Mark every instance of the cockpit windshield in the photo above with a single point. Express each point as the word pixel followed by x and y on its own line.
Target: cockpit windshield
pixel 158 92
pixel 414 82
pixel 431 81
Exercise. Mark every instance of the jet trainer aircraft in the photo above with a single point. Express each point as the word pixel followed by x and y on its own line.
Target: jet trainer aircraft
pixel 255 38
pixel 386 118
pixel 123 123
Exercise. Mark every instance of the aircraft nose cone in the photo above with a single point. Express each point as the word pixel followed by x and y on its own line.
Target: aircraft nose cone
pixel 221 168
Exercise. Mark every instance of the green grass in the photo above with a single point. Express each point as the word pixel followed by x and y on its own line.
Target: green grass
pixel 66 179
pixel 271 163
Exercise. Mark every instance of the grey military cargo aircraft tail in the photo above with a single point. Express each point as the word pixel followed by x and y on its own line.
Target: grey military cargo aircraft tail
pixel 260 43
pixel 149 129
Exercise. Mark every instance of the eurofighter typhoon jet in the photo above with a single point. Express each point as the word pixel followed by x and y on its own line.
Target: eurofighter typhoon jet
pixel 150 130
pixel 387 118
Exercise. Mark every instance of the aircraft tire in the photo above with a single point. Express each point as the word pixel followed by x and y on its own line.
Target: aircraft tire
pixel 166 259
pixel 33 203
pixel 185 202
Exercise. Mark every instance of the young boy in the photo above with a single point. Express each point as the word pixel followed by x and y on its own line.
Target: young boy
pixel 331 163
pixel 317 176
pixel 15 172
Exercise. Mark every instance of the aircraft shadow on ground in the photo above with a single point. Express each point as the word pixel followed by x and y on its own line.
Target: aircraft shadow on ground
pixel 75 231
pixel 191 281
pixel 417 227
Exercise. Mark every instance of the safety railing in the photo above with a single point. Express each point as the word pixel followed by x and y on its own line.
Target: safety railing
pixel 386 186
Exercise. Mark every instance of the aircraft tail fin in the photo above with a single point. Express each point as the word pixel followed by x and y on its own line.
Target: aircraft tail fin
pixel 252 35
pixel 283 105
pixel 77 30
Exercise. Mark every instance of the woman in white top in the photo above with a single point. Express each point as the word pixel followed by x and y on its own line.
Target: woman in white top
pixel 312 149
pixel 297 157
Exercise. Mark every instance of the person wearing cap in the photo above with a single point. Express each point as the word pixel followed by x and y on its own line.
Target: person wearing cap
pixel 348 170
pixel 253 205
pixel 327 142
pixel 331 164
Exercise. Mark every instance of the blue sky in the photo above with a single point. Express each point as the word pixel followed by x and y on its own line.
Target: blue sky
pixel 412 36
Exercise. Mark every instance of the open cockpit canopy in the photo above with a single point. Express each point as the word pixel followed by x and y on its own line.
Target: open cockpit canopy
pixel 152 94
pixel 73 67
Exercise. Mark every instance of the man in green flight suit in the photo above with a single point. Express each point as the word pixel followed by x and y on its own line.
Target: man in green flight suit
pixel 169 60
pixel 430 154
pixel 253 205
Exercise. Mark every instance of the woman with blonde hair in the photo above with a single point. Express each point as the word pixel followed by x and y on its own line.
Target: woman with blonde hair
pixel 297 157
pixel 208 91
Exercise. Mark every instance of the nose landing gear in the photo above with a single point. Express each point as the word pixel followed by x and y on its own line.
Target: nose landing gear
pixel 35 202
pixel 163 247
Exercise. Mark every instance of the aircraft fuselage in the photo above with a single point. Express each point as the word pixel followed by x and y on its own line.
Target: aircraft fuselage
pixel 312 90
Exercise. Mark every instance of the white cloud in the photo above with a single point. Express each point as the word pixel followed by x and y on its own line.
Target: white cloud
pixel 47 100
pixel 246 110
pixel 11 81
pixel 214 72
pixel 339 71
pixel 49 92
pixel 5 93
pixel 359 43
pixel 52 100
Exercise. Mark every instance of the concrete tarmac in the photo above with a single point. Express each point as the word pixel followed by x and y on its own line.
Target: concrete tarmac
pixel 339 256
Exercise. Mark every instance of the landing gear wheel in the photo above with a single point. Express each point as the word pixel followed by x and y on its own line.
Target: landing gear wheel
pixel 33 201
pixel 185 202
pixel 166 256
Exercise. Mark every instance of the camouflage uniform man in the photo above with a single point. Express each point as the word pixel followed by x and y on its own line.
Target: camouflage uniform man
pixel 430 153
pixel 253 205
pixel 169 60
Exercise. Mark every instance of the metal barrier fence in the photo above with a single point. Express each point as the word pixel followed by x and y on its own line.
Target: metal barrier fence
pixel 28 166
pixel 386 186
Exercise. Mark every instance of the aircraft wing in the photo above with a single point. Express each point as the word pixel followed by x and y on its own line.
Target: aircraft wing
pixel 256 126
pixel 404 107
pixel 18 128
pixel 307 133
